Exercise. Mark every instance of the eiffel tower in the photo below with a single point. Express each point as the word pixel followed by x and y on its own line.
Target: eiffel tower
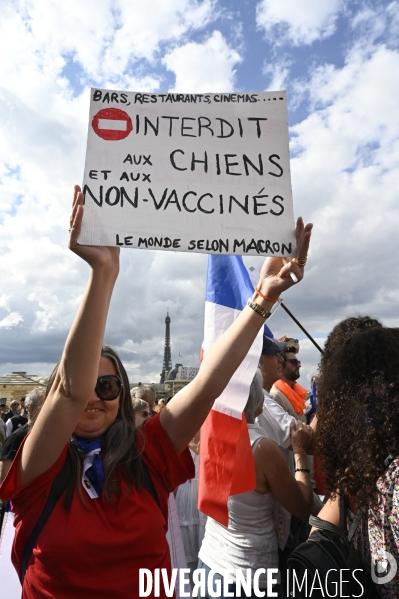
pixel 167 358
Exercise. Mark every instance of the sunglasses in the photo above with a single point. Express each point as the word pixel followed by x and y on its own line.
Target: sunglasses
pixel 108 387
pixel 293 361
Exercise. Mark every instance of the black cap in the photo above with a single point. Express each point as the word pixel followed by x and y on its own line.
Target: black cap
pixel 272 346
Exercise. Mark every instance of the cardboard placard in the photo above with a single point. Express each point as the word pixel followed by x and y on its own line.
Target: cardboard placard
pixel 203 173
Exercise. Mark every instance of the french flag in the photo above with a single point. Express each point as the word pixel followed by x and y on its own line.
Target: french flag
pixel 226 461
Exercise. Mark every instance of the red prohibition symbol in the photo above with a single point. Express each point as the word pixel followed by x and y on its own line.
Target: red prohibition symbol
pixel 112 124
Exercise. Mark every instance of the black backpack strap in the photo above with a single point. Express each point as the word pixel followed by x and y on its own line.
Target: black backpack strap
pixel 343 507
pixel 324 525
pixel 341 529
pixel 148 484
pixel 343 513
pixel 57 488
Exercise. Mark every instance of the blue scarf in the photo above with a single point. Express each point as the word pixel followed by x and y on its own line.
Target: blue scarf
pixel 93 472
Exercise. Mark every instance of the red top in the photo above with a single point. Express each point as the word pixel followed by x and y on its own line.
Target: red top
pixel 97 551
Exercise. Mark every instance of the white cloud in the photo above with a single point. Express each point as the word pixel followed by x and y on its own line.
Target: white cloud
pixel 5 301
pixel 310 358
pixel 344 173
pixel 354 108
pixel 373 22
pixel 298 22
pixel 279 74
pixel 11 320
pixel 204 67
pixel 51 310
pixel 103 37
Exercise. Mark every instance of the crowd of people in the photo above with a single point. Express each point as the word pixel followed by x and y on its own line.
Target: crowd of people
pixel 115 454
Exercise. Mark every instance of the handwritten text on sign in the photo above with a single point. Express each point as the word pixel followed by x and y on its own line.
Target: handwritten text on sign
pixel 189 172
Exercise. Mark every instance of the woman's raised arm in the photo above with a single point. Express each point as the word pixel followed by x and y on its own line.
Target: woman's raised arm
pixel 185 414
pixel 78 370
pixel 294 494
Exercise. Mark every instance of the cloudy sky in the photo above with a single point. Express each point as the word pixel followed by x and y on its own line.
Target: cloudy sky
pixel 339 63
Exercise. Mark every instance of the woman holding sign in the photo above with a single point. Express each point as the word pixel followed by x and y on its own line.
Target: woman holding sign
pixel 106 526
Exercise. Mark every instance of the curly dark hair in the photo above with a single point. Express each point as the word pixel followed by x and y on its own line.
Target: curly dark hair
pixel 343 330
pixel 358 413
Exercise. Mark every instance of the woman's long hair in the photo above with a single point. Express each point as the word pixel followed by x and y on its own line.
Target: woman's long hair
pixel 358 413
pixel 122 447
pixel 342 331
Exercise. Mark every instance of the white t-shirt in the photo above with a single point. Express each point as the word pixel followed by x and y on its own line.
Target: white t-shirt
pixel 250 540
pixel 9 427
pixel 276 423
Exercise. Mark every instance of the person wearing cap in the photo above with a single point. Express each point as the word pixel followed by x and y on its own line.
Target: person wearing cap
pixel 274 419
pixel 278 424
pixel 289 394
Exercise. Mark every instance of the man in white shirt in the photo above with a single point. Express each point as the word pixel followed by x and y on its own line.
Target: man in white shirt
pixel 274 420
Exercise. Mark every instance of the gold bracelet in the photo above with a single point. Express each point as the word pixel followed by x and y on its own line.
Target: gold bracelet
pixel 258 309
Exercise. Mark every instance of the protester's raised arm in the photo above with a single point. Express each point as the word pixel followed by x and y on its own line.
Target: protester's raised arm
pixel 78 369
pixel 185 414
pixel 83 346
pixel 294 494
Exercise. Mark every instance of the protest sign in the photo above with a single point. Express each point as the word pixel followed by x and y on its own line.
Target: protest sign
pixel 203 173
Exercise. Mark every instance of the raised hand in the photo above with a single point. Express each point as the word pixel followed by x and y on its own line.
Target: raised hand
pixel 275 275
pixel 95 256
pixel 301 437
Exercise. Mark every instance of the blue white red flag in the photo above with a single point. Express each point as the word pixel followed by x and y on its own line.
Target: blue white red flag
pixel 312 402
pixel 226 461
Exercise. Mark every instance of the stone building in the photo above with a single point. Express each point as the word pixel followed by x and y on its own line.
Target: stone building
pixel 179 377
pixel 16 385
